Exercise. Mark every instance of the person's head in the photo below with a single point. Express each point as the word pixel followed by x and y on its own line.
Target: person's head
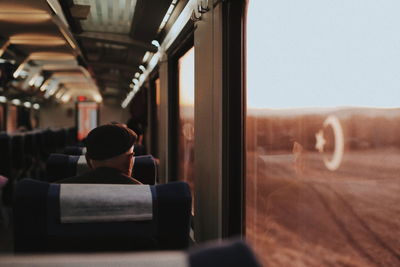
pixel 111 145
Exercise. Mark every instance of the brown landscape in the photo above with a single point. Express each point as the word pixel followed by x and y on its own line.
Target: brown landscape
pixel 299 213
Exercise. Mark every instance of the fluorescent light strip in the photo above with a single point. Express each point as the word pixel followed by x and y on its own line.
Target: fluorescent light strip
pixel 27 104
pixel 45 85
pixel 179 24
pixel 167 15
pixel 33 79
pixel 4 47
pixel 69 40
pixel 16 102
pixel 20 68
pixel 146 56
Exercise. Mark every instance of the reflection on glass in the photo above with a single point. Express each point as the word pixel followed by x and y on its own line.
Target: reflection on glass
pixel 322 132
pixel 186 117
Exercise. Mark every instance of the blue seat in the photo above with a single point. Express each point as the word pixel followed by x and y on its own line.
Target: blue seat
pixel 17 146
pixel 227 254
pixel 75 150
pixel 60 166
pixel 145 169
pixel 5 154
pixel 43 221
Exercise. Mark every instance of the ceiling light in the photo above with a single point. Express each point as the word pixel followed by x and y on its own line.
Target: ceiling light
pixel 33 79
pixel 20 68
pixel 128 99
pixel 45 85
pixel 137 74
pixel 97 97
pixel 27 104
pixel 155 43
pixel 135 81
pixel 66 98
pixel 16 102
pixel 38 81
pixel 3 99
pixel 4 47
pixel 146 56
pixel 36 39
pixel 68 38
pixel 36 106
pixel 167 16
pixel 24 17
pixel 142 68
pixel 51 56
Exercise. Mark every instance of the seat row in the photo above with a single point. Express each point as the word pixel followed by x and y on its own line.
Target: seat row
pixel 60 166
pixel 24 154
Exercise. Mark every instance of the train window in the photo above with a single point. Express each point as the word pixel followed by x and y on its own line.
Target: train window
pixel 322 132
pixel 87 116
pixel 186 117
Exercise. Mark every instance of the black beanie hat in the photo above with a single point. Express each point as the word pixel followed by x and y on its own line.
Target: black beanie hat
pixel 108 141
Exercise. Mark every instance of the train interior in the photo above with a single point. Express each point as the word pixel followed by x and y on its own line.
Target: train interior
pixel 267 132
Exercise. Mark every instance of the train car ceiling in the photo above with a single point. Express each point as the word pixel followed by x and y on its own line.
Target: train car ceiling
pixel 56 50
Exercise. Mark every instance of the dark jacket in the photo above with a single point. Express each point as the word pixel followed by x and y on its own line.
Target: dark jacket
pixel 101 175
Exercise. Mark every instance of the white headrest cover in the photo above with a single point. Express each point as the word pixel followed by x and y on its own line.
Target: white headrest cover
pixel 153 259
pixel 80 203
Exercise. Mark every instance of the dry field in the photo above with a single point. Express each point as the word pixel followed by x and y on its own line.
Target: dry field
pixel 298 213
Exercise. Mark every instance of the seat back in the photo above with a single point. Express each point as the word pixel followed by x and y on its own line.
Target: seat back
pixel 75 150
pixel 17 146
pixel 78 217
pixel 232 253
pixel 60 166
pixel 145 169
pixel 5 154
pixel 226 254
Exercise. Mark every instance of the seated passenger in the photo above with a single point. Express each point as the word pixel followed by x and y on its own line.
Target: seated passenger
pixel 110 156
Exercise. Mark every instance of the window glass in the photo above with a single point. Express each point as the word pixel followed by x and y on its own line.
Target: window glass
pixel 186 117
pixel 87 118
pixel 322 132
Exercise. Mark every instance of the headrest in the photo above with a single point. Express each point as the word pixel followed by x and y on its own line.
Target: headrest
pixel 87 217
pixel 60 166
pixel 154 259
pixel 145 169
pixel 75 150
pixel 82 203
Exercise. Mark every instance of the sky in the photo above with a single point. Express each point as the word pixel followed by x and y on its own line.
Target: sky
pixel 323 53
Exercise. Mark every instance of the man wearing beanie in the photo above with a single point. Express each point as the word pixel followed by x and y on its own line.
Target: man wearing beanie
pixel 109 154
